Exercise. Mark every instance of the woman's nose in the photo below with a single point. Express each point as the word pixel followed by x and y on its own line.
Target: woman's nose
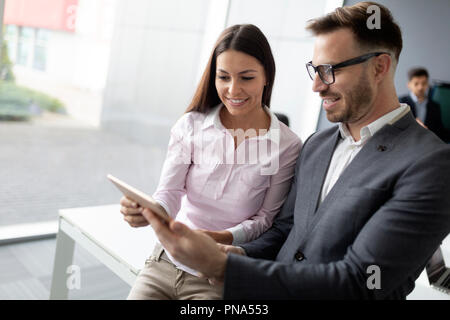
pixel 234 88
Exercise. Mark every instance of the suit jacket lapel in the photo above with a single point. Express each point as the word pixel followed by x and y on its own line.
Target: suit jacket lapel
pixel 381 144
pixel 318 174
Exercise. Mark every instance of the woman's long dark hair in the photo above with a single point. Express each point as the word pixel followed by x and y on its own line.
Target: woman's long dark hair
pixel 245 38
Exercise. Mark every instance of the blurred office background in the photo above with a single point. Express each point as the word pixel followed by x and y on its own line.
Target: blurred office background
pixel 91 87
pixel 426 42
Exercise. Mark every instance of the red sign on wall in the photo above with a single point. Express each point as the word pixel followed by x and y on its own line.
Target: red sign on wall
pixel 47 14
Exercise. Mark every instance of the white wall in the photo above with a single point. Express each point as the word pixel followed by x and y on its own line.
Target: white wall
pixel 153 66
pixel 160 49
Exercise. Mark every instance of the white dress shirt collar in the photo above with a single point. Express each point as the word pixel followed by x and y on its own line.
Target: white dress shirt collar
pixel 372 128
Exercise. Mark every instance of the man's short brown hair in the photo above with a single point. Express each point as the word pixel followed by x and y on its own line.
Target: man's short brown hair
pixel 417 72
pixel 388 36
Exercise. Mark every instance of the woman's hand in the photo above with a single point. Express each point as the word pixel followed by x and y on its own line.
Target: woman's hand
pixel 224 237
pixel 232 249
pixel 132 213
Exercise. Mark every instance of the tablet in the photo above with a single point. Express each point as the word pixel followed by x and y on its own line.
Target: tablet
pixel 140 197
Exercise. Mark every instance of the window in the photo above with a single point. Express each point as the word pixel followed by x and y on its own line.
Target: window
pixel 25 46
pixel 11 37
pixel 40 49
pixel 50 108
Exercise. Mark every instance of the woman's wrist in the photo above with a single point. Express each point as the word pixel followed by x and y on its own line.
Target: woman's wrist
pixel 224 236
pixel 227 237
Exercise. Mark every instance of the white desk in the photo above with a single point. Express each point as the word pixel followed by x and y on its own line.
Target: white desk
pixel 102 232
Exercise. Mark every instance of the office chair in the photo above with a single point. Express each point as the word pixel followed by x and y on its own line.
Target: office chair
pixel 283 118
pixel 441 94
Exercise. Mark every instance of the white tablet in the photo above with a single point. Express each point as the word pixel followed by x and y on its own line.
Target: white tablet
pixel 140 197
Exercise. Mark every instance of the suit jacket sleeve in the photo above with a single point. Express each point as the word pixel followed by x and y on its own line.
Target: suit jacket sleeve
pixel 399 238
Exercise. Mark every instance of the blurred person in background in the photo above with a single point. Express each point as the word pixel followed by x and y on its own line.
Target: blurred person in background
pixel 426 111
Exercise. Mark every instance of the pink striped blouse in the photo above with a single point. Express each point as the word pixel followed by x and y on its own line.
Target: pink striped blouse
pixel 205 183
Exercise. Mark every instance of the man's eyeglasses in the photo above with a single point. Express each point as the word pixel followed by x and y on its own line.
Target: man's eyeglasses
pixel 326 71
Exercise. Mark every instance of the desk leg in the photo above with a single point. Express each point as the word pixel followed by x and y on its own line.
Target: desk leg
pixel 65 247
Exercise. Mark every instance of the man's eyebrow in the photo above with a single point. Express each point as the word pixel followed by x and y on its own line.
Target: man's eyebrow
pixel 331 62
pixel 245 71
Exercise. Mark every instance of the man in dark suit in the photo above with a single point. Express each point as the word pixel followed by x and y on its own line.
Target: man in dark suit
pixel 369 203
pixel 426 111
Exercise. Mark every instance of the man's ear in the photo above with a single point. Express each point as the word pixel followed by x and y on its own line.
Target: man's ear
pixel 382 65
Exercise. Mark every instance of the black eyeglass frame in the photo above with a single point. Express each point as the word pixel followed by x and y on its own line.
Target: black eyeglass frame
pixel 342 64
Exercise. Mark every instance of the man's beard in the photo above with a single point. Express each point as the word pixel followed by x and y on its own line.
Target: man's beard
pixel 357 102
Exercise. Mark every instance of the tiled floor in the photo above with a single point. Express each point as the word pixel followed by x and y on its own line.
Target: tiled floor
pixel 26 273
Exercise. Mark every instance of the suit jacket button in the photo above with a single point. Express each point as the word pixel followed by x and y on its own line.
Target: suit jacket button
pixel 299 256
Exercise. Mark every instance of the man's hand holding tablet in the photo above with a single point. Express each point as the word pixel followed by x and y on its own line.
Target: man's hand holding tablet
pixel 134 202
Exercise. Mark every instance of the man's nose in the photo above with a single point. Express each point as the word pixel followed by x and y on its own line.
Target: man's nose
pixel 318 84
